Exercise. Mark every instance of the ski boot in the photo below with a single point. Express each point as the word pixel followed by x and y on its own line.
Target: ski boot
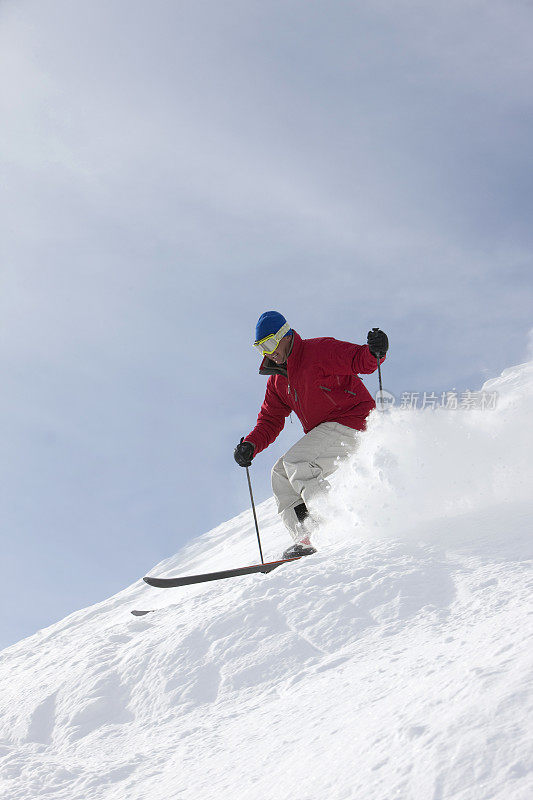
pixel 303 548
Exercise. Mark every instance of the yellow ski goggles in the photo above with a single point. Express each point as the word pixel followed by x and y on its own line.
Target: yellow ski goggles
pixel 267 345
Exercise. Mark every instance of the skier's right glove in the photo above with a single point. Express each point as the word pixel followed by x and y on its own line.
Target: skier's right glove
pixel 244 453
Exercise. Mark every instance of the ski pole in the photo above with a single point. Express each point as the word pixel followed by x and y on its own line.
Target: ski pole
pixel 379 374
pixel 378 356
pixel 255 515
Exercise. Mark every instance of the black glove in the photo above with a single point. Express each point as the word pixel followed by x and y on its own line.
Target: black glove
pixel 377 341
pixel 244 453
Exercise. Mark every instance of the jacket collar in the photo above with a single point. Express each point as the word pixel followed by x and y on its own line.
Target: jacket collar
pixel 269 367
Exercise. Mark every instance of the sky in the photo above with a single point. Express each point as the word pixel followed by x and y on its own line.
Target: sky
pixel 170 171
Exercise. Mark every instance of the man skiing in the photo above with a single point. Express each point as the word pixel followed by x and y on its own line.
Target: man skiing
pixel 319 380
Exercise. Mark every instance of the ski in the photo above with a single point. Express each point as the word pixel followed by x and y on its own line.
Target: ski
pixel 167 583
pixel 137 613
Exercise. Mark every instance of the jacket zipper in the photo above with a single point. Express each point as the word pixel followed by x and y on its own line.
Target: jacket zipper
pixel 296 402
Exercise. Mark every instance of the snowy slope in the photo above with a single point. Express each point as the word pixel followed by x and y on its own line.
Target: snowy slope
pixel 395 663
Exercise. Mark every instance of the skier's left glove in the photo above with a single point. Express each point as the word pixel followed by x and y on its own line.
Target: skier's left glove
pixel 378 343
pixel 244 453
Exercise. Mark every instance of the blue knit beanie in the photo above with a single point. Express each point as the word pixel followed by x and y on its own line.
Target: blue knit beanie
pixel 268 323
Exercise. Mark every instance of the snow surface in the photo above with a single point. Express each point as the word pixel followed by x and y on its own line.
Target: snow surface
pixel 394 663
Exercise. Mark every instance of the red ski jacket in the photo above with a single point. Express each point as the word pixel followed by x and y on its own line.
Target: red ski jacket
pixel 320 383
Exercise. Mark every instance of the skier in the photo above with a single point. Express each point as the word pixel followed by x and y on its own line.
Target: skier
pixel 319 380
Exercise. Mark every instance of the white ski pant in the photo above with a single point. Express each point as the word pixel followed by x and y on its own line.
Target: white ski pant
pixel 300 475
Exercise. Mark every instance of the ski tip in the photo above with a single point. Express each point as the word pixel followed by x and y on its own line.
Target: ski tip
pixel 157 582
